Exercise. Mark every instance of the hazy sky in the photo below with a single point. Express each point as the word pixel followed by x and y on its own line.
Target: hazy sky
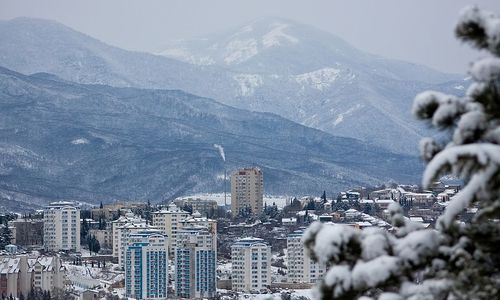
pixel 419 31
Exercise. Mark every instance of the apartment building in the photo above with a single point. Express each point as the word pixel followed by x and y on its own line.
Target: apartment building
pixel 301 268
pixel 146 266
pixel 169 222
pixel 247 191
pixel 251 261
pixel 203 206
pixel 20 274
pixel 126 232
pixel 195 263
pixel 103 236
pixel 61 227
pixel 27 232
pixel 128 218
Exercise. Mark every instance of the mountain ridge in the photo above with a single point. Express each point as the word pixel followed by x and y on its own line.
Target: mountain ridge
pixel 349 100
pixel 63 140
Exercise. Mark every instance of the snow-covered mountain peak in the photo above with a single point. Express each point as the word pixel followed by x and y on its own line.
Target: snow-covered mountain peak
pixel 237 46
pixel 277 35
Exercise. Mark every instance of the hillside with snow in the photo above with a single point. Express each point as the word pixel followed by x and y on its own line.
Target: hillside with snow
pixel 268 65
pixel 62 140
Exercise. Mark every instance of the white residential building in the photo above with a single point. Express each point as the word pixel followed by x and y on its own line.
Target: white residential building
pixel 197 220
pixel 124 238
pixel 146 266
pixel 20 274
pixel 169 221
pixel 61 227
pixel 247 191
pixel 129 218
pixel 251 265
pixel 301 268
pixel 195 263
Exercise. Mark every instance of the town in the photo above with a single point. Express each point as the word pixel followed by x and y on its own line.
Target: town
pixel 195 247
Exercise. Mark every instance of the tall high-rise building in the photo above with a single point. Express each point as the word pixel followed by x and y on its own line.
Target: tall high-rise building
pixel 195 263
pixel 247 191
pixel 301 268
pixel 146 266
pixel 251 265
pixel 61 227
pixel 169 221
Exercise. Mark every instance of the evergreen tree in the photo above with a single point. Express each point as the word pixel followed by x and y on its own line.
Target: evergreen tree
pixel 323 197
pixel 147 213
pixel 457 260
pixel 93 244
pixel 84 230
pixel 5 235
pixel 187 208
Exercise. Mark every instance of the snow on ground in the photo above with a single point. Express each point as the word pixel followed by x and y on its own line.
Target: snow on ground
pixel 281 201
pixel 240 50
pixel 294 294
pixel 80 141
pixel 319 79
pixel 340 117
pixel 186 56
pixel 277 35
pixel 224 270
pixel 248 83
pixel 87 277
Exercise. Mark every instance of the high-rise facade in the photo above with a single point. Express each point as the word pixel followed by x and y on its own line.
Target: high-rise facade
pixel 61 227
pixel 247 191
pixel 116 227
pixel 125 239
pixel 146 266
pixel 195 263
pixel 251 265
pixel 170 222
pixel 301 268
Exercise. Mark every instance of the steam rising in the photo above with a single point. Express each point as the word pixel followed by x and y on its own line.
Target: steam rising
pixel 221 151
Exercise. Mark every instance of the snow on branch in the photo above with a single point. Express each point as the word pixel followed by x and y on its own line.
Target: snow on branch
pixel 480 28
pixel 479 162
pixel 486 69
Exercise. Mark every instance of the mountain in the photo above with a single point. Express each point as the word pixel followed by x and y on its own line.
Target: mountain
pixel 270 65
pixel 319 80
pixel 63 140
pixel 271 45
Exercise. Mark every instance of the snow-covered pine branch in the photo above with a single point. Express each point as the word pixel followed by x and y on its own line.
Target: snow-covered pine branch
pixel 456 260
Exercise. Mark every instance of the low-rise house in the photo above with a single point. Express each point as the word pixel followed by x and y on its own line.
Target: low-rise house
pixel 204 206
pixel 289 221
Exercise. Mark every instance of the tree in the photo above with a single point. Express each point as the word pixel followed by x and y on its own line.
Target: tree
pixel 84 230
pixel 323 197
pixel 5 235
pixel 187 208
pixel 147 213
pixel 457 260
pixel 93 244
